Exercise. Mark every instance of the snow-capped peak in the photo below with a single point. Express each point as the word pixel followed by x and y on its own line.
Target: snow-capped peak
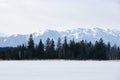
pixel 92 34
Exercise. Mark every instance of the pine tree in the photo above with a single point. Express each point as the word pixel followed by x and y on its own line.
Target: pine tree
pixel 47 48
pixel 52 49
pixel 40 50
pixel 31 47
pixel 83 52
pixel 21 51
pixel 52 46
pixel 108 52
pixel 59 48
pixel 65 48
pixel 100 50
pixel 72 49
pixel 30 43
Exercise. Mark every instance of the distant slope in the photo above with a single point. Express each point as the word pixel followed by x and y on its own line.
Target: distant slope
pixel 94 34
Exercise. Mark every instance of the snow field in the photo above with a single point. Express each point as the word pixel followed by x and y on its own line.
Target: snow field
pixel 59 70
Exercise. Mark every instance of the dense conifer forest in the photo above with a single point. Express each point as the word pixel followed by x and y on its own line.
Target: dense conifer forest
pixel 69 50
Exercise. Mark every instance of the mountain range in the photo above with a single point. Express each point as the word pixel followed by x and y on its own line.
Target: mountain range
pixel 93 34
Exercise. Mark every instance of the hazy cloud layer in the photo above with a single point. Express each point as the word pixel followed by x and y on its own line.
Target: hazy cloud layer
pixel 26 16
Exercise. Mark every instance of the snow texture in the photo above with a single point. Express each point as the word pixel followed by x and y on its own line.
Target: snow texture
pixel 59 70
pixel 93 34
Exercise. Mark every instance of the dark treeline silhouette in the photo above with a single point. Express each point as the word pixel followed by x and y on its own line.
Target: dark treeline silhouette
pixel 71 50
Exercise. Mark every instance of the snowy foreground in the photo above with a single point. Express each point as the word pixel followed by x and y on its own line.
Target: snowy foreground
pixel 59 70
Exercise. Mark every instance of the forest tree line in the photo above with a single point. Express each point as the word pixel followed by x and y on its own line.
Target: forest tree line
pixel 71 50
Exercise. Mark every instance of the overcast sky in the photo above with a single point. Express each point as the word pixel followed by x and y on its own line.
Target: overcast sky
pixel 26 16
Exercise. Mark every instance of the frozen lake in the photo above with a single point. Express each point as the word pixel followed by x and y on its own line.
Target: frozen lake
pixel 59 70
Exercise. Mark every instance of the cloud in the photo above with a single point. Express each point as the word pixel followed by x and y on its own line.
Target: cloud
pixel 26 16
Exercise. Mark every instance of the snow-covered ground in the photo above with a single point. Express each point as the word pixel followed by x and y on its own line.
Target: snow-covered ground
pixel 59 70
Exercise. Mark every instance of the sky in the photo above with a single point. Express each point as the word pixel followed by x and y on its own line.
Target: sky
pixel 27 16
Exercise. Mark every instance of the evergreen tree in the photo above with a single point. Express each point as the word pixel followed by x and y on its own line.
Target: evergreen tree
pixel 30 43
pixel 40 50
pixel 108 52
pixel 47 48
pixel 65 48
pixel 21 51
pixel 52 46
pixel 91 51
pixel 100 50
pixel 31 47
pixel 83 51
pixel 72 49
pixel 52 49
pixel 59 48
